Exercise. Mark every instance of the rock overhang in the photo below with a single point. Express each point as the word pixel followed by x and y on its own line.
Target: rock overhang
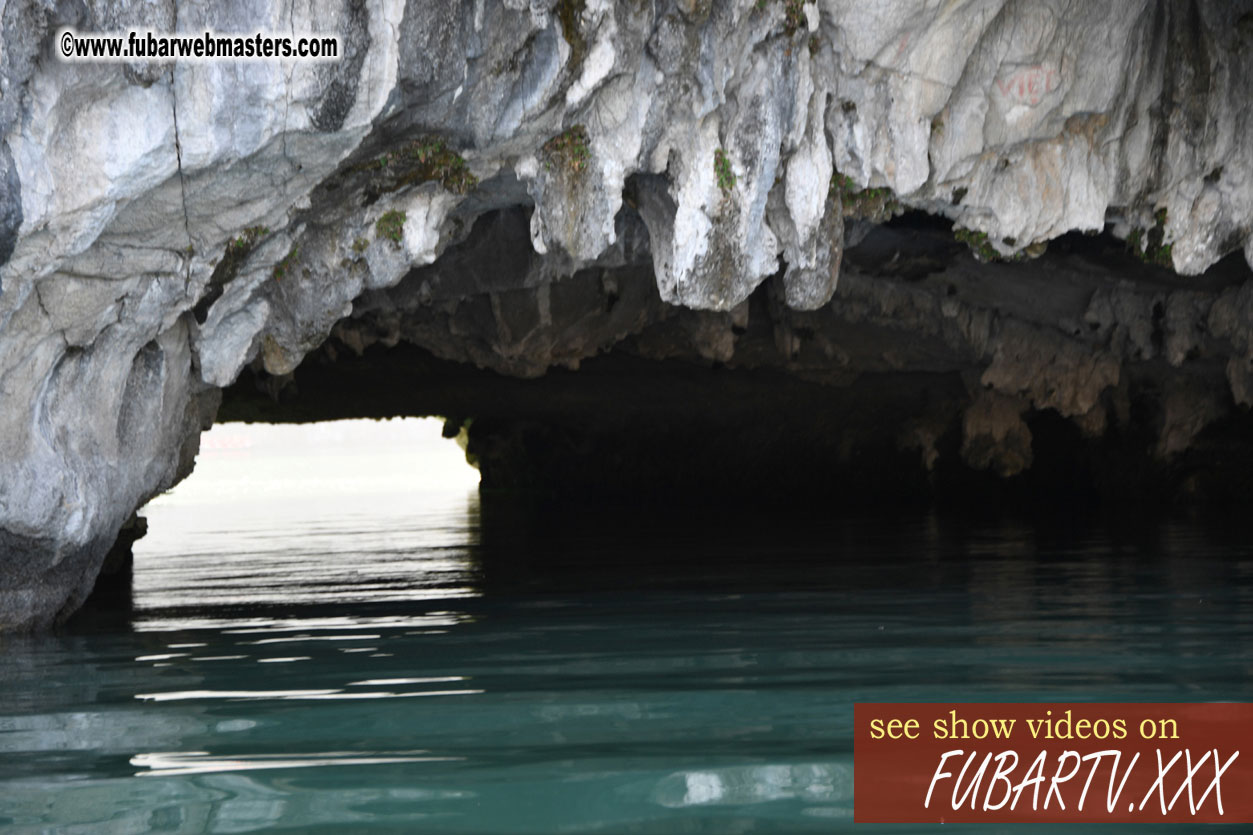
pixel 726 145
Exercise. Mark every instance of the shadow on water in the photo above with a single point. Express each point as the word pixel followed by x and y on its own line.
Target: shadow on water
pixel 506 547
pixel 493 665
pixel 527 547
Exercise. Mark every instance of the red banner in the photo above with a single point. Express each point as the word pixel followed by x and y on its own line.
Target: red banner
pixel 1107 763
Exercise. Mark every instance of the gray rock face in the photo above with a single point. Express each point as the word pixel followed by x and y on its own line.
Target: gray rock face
pixel 164 225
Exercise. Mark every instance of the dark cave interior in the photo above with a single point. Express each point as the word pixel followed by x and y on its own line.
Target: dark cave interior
pixel 820 408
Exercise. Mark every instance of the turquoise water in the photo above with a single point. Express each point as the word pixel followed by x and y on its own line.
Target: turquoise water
pixel 443 663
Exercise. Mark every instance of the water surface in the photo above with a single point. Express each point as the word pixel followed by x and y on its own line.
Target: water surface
pixel 337 636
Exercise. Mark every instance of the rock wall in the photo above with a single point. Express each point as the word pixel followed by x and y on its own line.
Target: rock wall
pixel 164 225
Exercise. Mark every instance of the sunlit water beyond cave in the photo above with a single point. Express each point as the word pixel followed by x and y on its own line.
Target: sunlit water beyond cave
pixel 332 631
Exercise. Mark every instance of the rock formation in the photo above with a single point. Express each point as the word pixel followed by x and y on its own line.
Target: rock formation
pixel 518 186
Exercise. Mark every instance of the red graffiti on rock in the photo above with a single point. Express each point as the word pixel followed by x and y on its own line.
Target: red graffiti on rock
pixel 1029 85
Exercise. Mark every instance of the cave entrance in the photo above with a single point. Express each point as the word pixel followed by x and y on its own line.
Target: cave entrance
pixel 305 515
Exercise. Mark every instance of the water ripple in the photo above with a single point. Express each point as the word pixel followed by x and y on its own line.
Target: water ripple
pixel 173 763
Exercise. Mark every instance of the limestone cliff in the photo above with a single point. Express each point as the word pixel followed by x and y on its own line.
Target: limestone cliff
pixel 163 226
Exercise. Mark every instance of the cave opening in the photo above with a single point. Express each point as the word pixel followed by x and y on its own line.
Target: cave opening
pixel 305 515
pixel 1046 389
pixel 935 375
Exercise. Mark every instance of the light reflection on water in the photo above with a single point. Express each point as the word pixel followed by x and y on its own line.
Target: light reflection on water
pixel 451 665
pixel 201 762
pixel 340 513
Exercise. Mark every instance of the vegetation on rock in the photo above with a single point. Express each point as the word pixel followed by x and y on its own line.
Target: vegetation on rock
pixel 423 160
pixel 984 251
pixel 283 267
pixel 873 204
pixel 722 168
pixel 237 249
pixel 247 239
pixel 391 226
pixel 1148 246
pixel 793 15
pixel 568 149
pixel 978 243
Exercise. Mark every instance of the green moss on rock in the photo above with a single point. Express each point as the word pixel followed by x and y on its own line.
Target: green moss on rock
pixel 978 243
pixel 984 251
pixel 873 204
pixel 722 168
pixel 237 251
pixel 568 150
pixel 1149 244
pixel 391 226
pixel 793 15
pixel 423 160
pixel 282 268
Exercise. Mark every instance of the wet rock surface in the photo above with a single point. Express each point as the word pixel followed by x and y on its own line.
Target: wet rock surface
pixel 522 187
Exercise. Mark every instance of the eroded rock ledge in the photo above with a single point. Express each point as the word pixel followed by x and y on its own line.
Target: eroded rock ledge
pixel 521 186
pixel 929 373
